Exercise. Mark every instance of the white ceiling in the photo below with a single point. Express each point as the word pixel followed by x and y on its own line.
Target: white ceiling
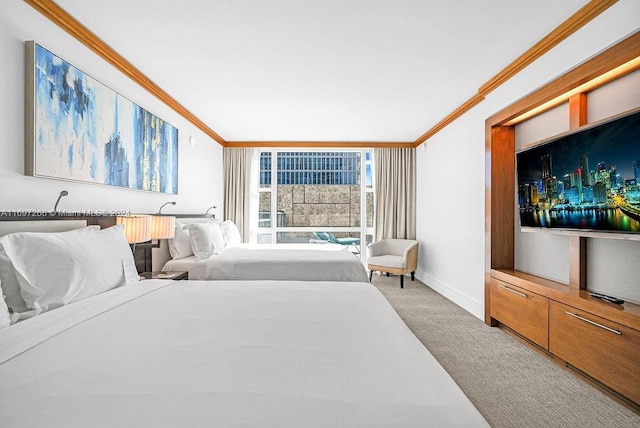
pixel 324 70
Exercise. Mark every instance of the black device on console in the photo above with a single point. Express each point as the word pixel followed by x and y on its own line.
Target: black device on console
pixel 607 298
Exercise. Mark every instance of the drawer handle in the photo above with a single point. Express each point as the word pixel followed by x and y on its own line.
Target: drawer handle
pixel 513 291
pixel 594 323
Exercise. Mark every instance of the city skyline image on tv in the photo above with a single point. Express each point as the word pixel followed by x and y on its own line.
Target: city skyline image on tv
pixel 586 180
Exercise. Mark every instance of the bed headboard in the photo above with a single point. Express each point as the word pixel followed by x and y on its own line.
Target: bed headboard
pixel 8 226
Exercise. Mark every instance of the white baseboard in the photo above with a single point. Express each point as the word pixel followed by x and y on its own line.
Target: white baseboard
pixel 465 302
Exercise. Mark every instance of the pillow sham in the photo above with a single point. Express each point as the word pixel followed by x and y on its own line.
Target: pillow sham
pixel 206 239
pixel 5 317
pixel 9 280
pixel 54 269
pixel 180 244
pixel 231 233
pixel 9 284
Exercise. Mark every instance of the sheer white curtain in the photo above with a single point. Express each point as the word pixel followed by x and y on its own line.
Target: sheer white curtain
pixel 395 184
pixel 238 174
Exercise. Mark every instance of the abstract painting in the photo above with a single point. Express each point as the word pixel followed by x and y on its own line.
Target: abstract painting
pixel 79 129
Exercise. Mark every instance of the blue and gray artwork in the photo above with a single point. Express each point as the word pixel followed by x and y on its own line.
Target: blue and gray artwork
pixel 85 131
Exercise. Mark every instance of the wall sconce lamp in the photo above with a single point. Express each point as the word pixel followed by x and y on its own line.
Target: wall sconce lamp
pixel 165 204
pixel 63 193
pixel 209 209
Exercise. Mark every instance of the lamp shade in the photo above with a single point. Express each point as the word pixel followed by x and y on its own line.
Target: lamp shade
pixel 163 227
pixel 137 228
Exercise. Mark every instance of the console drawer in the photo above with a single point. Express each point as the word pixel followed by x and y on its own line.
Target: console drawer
pixel 521 310
pixel 607 351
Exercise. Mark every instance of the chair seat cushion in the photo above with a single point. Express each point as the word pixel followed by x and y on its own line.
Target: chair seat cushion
pixel 389 261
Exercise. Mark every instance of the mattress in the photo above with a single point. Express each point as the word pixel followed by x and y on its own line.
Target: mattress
pixel 243 353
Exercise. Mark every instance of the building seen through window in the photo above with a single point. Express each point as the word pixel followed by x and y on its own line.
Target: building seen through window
pixel 314 168
pixel 315 194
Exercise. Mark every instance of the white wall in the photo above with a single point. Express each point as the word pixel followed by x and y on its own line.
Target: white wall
pixel 451 173
pixel 200 166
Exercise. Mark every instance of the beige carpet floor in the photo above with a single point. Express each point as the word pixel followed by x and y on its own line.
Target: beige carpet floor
pixel 511 384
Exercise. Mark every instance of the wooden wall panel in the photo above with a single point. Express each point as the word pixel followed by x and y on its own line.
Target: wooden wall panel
pixel 617 56
pixel 578 244
pixel 578 111
pixel 502 197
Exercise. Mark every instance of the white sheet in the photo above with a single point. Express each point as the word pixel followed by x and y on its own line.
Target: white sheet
pixel 306 263
pixel 197 268
pixel 221 354
pixel 185 264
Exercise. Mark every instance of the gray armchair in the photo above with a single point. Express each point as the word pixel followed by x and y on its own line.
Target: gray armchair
pixel 397 256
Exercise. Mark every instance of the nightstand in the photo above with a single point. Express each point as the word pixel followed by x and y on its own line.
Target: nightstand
pixel 175 275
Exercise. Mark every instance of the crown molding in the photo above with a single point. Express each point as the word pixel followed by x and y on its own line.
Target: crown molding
pixel 559 34
pixel 62 19
pixel 321 144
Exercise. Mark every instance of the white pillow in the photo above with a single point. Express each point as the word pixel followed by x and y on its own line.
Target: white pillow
pixel 54 269
pixel 231 233
pixel 10 285
pixel 206 239
pixel 180 244
pixel 9 281
pixel 5 318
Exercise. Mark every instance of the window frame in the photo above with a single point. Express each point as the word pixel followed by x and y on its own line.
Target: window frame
pixel 363 230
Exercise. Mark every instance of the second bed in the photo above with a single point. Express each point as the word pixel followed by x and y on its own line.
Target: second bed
pixel 309 262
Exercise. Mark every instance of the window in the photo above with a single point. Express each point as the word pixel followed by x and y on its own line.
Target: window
pixel 313 168
pixel 308 192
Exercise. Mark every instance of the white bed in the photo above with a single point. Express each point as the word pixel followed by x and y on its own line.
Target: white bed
pixel 313 262
pixel 212 250
pixel 221 354
pixel 191 262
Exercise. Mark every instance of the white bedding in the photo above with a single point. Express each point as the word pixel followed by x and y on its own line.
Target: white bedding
pixel 221 354
pixel 185 264
pixel 311 262
pixel 241 263
pixel 191 263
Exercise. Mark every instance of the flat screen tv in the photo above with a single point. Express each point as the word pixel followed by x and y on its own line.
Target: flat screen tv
pixel 587 180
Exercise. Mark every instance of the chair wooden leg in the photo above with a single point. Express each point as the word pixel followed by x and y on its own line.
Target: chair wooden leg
pixel 401 281
pixel 413 275
pixel 370 275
